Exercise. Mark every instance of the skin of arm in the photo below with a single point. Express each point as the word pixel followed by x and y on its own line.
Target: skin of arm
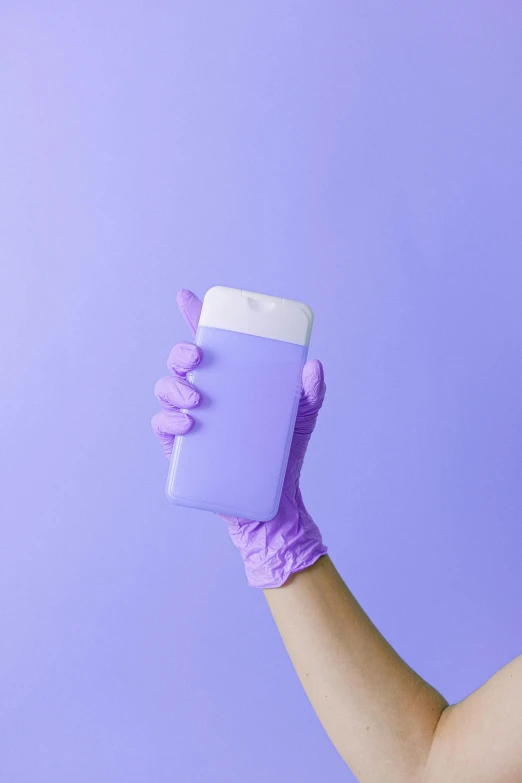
pixel 387 723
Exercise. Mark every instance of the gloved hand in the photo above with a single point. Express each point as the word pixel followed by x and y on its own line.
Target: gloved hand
pixel 289 542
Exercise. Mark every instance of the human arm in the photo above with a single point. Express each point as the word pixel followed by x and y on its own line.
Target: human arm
pixel 387 723
pixel 380 715
pixel 385 720
pixel 479 739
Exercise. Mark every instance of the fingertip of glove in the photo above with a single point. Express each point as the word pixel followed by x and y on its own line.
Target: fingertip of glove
pixel 313 370
pixel 313 379
pixel 184 296
pixel 184 357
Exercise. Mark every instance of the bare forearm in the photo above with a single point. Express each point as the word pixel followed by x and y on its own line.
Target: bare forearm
pixel 378 712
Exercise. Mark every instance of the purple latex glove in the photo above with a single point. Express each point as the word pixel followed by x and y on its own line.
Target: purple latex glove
pixel 289 542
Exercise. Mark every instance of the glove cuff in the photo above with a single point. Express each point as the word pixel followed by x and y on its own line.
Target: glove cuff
pixel 269 577
pixel 274 550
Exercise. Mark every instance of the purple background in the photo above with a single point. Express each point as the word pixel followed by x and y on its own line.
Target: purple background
pixel 362 156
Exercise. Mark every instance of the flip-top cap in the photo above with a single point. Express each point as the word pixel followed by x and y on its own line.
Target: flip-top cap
pixel 257 314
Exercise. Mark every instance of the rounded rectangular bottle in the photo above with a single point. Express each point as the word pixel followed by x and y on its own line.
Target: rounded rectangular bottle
pixel 234 459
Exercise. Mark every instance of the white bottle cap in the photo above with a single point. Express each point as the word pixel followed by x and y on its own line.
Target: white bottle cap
pixel 257 314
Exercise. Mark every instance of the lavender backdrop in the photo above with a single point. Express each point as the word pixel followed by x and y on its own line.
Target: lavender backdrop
pixel 362 156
